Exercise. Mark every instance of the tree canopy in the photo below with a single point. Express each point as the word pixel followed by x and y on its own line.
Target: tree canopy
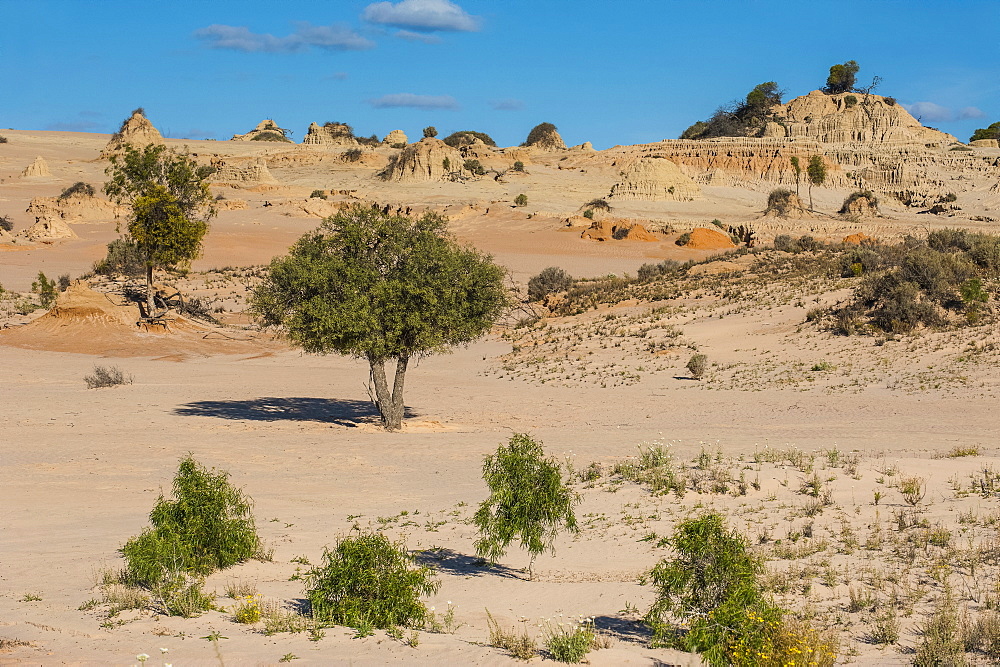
pixel 539 133
pixel 991 132
pixel 171 205
pixel 842 78
pixel 466 137
pixel 740 118
pixel 380 287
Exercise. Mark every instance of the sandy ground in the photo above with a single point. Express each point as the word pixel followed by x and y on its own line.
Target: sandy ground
pixel 80 469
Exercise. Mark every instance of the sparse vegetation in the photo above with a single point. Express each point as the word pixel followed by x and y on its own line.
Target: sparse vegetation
pixel 6 224
pixel 79 188
pixel 474 167
pixel 518 166
pixel 989 132
pixel 521 200
pixel 45 289
pixel 816 173
pixel 123 258
pixel 430 131
pixel 697 365
pixel 352 155
pixel 842 78
pixel 747 117
pixel 107 376
pixel 855 196
pixel 318 194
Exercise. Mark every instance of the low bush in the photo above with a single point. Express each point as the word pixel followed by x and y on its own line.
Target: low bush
pixel 589 214
pixel 697 365
pixel 3 139
pixel 107 376
pixel 854 196
pixel 779 201
pixel 467 137
pixel 207 526
pixel 352 154
pixel 271 135
pixel 123 258
pixel 430 131
pixel 519 644
pixel 649 272
pixel 850 101
pixel 368 580
pixel 521 200
pixel 6 224
pixel 474 167
pixel 713 587
pixel 318 194
pixel 570 642
pixel 598 204
pixel 78 188
pixel 518 166
pixel 683 239
pixel 548 281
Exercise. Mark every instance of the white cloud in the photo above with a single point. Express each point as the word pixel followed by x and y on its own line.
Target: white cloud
pixel 417 37
pixel 415 101
pixel 929 111
pixel 509 104
pixel 240 38
pixel 966 113
pixel 422 16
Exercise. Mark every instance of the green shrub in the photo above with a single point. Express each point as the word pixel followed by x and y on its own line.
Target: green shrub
pixel 368 580
pixel 430 131
pixel 123 258
pixel 570 642
pixel 181 595
pixel 466 137
pixel 785 243
pixel 842 78
pixel 891 101
pixel 521 200
pixel 518 166
pixel 317 194
pixel 3 139
pixel 589 214
pixel 540 133
pixel 548 281
pixel 207 526
pixel 398 145
pixel 446 164
pixel 78 188
pixel 46 290
pixel 528 501
pixel 683 239
pixel 850 101
pixel 697 365
pixel 352 154
pixel 6 224
pixel 598 204
pixel 475 167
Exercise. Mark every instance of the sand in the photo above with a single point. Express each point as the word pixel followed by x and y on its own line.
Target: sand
pixel 81 468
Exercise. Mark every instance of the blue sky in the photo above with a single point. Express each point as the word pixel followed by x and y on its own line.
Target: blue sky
pixel 608 72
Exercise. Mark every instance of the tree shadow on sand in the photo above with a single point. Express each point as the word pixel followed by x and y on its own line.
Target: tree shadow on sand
pixel 624 629
pixel 343 412
pixel 454 562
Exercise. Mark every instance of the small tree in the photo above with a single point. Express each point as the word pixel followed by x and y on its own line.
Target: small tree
pixel 797 167
pixel 521 200
pixel 842 78
pixel 697 365
pixel 528 501
pixel 430 131
pixel 171 205
pixel 991 132
pixel 368 579
pixel 816 171
pixel 381 287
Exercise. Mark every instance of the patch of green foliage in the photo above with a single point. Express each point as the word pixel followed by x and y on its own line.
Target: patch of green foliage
pixel 548 281
pixel 740 118
pixel 540 134
pixel 45 289
pixel 369 581
pixel 467 137
pixel 990 132
pixel 207 526
pixel 528 501
pixel 78 188
pixel 842 78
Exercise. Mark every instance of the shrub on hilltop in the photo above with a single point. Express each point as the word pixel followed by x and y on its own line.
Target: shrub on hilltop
pixel 740 118
pixel 467 137
pixel 991 132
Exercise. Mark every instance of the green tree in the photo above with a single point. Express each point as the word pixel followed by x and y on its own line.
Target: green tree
pixel 797 167
pixel 816 172
pixel 842 78
pixel 540 134
pixel 991 132
pixel 381 287
pixel 171 205
pixel 528 501
pixel 430 131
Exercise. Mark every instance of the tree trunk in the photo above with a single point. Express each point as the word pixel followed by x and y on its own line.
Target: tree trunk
pixel 810 196
pixel 389 402
pixel 150 306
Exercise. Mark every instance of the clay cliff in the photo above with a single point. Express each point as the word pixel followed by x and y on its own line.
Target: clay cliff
pixel 330 134
pixel 135 131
